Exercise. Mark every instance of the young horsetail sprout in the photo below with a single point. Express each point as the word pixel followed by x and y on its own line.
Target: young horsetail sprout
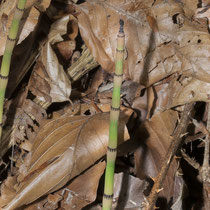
pixel 114 117
pixel 5 65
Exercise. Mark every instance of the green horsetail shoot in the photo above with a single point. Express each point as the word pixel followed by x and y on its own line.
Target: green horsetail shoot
pixel 114 117
pixel 6 61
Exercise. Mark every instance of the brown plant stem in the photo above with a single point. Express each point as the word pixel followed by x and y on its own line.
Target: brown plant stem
pixel 190 161
pixel 205 170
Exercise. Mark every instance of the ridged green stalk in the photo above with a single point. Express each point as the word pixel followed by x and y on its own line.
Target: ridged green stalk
pixel 114 117
pixel 6 61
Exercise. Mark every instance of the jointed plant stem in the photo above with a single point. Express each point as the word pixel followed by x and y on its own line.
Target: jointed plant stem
pixel 114 116
pixel 6 61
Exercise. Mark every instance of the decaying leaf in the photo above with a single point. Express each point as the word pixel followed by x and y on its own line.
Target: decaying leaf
pixel 204 12
pixel 156 136
pixel 7 190
pixel 66 48
pixel 80 192
pixel 49 82
pixel 63 149
pixel 166 65
pixel 178 91
pixel 160 38
pixel 83 189
pixel 188 90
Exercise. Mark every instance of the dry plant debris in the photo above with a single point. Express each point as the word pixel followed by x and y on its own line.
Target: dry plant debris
pixel 55 125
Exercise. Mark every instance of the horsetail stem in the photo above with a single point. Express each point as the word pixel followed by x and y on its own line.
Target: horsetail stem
pixel 114 117
pixel 6 61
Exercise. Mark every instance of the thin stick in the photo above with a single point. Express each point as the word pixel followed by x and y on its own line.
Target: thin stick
pixel 190 161
pixel 6 61
pixel 175 143
pixel 206 150
pixel 114 117
pixel 205 170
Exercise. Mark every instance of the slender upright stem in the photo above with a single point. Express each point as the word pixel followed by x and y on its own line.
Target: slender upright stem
pixel 114 117
pixel 6 61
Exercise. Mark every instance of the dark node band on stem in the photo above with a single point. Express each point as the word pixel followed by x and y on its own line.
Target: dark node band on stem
pixel 119 51
pixel 118 75
pixel 22 10
pixel 12 40
pixel 121 35
pixel 108 196
pixel 1 125
pixel 115 109
pixel 3 77
pixel 112 149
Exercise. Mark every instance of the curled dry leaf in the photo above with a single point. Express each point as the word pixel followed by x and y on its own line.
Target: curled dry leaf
pixel 82 191
pixel 187 90
pixel 160 38
pixel 66 48
pixel 157 134
pixel 178 91
pixel 49 82
pixel 63 149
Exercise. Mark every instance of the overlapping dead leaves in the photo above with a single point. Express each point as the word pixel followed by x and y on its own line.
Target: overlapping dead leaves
pixel 57 162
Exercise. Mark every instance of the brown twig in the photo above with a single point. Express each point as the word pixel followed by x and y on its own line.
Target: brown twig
pixel 175 143
pixel 190 160
pixel 194 138
pixel 206 151
pixel 205 169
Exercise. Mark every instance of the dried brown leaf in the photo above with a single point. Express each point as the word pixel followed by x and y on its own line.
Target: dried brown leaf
pixel 157 134
pixel 49 82
pixel 82 191
pixel 63 149
pixel 66 48
pixel 204 12
pixel 178 91
pixel 180 45
pixel 7 190
pixel 24 121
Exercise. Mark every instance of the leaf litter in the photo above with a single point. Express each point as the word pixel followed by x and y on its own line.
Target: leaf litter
pixel 56 127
